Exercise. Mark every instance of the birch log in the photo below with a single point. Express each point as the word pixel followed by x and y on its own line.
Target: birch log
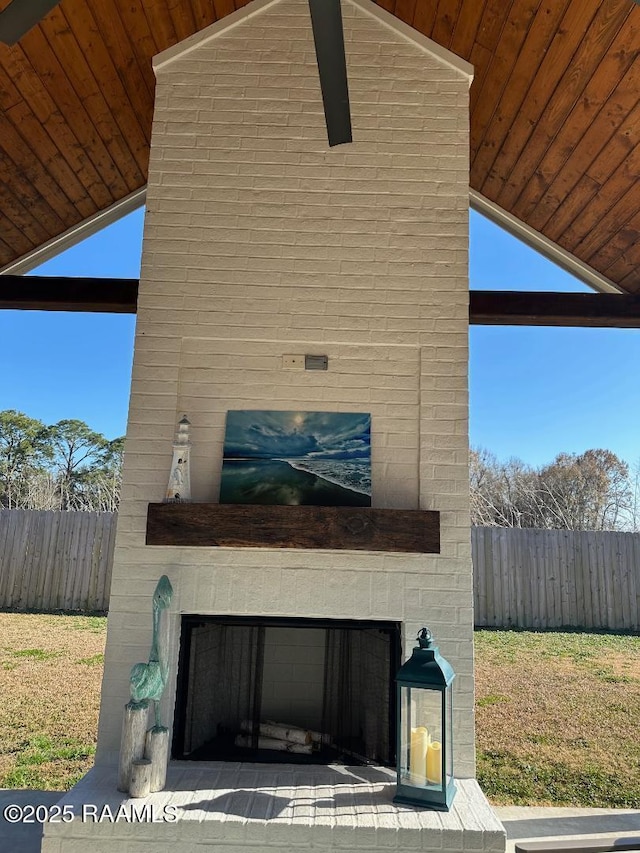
pixel 134 730
pixel 319 739
pixel 157 751
pixel 279 731
pixel 274 743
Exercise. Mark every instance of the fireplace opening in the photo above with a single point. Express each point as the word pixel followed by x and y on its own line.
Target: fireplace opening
pixel 286 690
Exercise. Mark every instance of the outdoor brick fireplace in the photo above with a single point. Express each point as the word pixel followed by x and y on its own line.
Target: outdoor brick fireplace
pixel 330 677
pixel 263 245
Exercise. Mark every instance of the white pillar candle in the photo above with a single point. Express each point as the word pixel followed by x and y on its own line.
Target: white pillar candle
pixel 434 763
pixel 418 755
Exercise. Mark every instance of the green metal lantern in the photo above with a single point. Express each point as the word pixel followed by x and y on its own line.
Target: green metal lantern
pixel 425 728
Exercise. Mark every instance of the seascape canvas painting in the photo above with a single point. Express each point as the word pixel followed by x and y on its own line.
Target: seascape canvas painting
pixel 297 458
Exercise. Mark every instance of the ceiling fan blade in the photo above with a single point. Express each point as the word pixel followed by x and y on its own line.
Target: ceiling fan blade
pixel 20 16
pixel 326 20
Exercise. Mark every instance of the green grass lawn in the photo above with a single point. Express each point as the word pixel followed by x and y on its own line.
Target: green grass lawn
pixel 558 718
pixel 557 714
pixel 50 674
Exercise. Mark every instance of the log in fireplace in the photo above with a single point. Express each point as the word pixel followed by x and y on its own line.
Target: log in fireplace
pixel 283 689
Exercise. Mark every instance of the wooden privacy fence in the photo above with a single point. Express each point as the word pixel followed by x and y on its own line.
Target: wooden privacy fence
pixel 56 560
pixel 527 578
pixel 522 578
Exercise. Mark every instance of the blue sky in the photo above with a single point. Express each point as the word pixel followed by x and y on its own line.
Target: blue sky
pixel 534 392
pixel 60 364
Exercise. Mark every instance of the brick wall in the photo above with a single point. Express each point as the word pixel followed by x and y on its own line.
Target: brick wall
pixel 261 241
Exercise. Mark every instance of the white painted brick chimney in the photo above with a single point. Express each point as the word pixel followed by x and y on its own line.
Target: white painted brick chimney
pixel 261 241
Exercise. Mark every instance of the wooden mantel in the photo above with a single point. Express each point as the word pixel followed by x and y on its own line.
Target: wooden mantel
pixel 319 527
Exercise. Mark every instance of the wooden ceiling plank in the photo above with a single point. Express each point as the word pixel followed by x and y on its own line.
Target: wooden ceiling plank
pixel 499 74
pixel 424 16
pixel 606 230
pixel 139 33
pixel 6 252
pixel 19 223
pixel 590 65
pixel 405 10
pixel 160 23
pixel 203 13
pixel 79 101
pixel 446 18
pixel 591 219
pixel 631 282
pixel 569 33
pixel 223 8
pixel 608 176
pixel 617 150
pixel 13 235
pixel 64 178
pixel 99 83
pixel 9 93
pixel 54 79
pixel 582 194
pixel 47 114
pixel 464 33
pixel 138 77
pixel 21 170
pixel 389 5
pixel 141 48
pixel 182 18
pixel 532 51
pixel 626 264
pixel 604 248
pixel 480 58
pixel 592 141
pixel 492 23
pixel 25 220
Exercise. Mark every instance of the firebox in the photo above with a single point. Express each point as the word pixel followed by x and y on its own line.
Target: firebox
pixel 281 689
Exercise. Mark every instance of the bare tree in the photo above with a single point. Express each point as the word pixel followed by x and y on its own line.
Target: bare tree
pixel 588 491
pixel 634 510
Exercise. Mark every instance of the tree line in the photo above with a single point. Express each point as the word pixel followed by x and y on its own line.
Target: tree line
pixel 64 466
pixel 593 490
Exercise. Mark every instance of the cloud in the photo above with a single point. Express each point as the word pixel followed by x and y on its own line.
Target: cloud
pixel 267 434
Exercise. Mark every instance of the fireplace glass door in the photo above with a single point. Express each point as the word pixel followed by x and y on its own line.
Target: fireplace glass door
pixel 294 690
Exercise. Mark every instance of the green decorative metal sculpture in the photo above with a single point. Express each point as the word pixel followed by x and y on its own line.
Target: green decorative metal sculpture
pixel 148 680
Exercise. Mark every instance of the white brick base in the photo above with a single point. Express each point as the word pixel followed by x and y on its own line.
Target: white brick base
pixel 254 807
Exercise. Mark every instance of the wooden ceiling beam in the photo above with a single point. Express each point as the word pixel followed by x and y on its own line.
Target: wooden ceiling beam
pixel 519 308
pixel 486 308
pixel 58 293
